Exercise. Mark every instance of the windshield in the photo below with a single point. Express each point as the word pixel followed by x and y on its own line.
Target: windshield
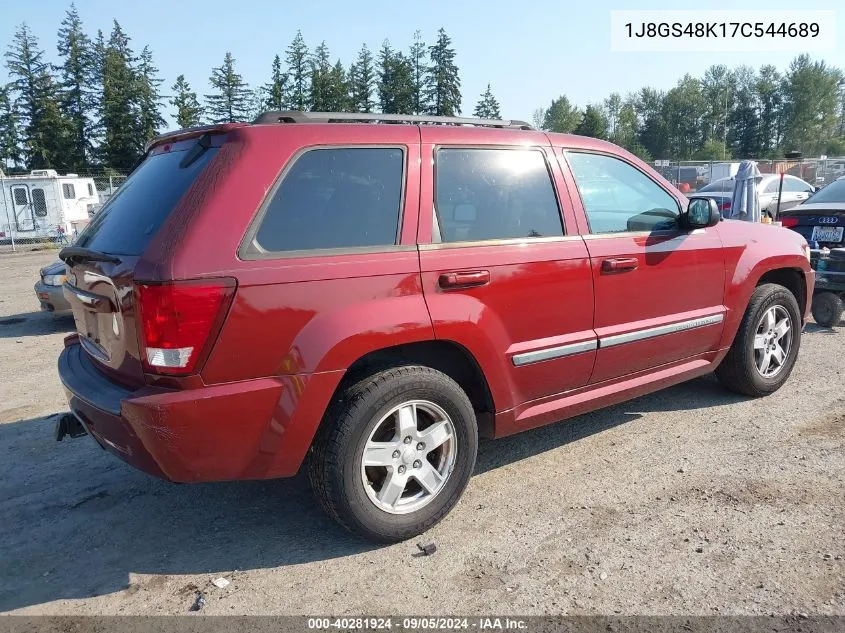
pixel 834 192
pixel 723 184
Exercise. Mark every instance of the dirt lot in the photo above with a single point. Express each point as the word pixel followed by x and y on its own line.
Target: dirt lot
pixel 689 501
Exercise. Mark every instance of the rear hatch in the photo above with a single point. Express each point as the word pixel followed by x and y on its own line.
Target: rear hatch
pixel 101 263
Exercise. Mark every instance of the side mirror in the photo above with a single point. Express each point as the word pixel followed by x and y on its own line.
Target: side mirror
pixel 701 213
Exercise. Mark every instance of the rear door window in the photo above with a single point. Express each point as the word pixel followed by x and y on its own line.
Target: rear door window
pixel 134 214
pixel 335 198
pixel 489 194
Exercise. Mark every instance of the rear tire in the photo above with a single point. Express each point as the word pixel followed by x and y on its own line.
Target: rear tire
pixel 373 442
pixel 827 309
pixel 745 369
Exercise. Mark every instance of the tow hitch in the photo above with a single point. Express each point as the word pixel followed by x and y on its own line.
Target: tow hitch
pixel 69 424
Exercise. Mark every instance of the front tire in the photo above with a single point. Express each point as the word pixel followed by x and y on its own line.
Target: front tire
pixel 394 453
pixel 827 309
pixel 766 346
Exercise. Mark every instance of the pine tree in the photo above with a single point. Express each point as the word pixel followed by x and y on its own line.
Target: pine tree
pixel 148 98
pixel 395 82
pixel 256 103
pixel 10 152
pixel 362 79
pixel 419 70
pixel 385 78
pixel 296 59
pixel 338 97
pixel 276 89
pixel 120 147
pixel 230 101
pixel 319 95
pixel 443 86
pixel 488 107
pixel 77 100
pixel 45 132
pixel 188 109
pixel 593 123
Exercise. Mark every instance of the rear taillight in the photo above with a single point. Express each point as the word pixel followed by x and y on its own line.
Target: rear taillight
pixel 179 321
pixel 789 222
pixel 725 206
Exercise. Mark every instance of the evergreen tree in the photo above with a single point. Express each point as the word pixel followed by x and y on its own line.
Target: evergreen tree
pixel 362 78
pixel 561 116
pixel 537 118
pixel 98 58
pixel 419 71
pixel 319 95
pixel 298 72
pixel 77 100
pixel 231 97
pixel 385 86
pixel 593 123
pixel 718 90
pixel 488 107
pixel 651 130
pixel 188 109
pixel 44 131
pixel 148 98
pixel 744 119
pixel 768 89
pixel 120 147
pixel 402 75
pixel 10 152
pixel 443 85
pixel 338 96
pixel 256 103
pixel 276 89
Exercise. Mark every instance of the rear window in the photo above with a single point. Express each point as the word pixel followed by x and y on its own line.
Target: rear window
pixel 834 192
pixel 723 184
pixel 134 214
pixel 39 203
pixel 335 198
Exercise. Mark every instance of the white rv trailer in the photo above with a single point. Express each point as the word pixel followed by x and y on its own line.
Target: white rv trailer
pixel 44 205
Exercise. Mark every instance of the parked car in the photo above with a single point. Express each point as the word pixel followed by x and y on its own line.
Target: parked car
pixel 371 298
pixel 795 191
pixel 48 288
pixel 821 221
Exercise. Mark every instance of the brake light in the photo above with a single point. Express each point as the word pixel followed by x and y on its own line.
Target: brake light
pixel 789 222
pixel 724 206
pixel 178 322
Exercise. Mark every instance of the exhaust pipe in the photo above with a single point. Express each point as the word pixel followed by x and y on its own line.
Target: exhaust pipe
pixel 69 424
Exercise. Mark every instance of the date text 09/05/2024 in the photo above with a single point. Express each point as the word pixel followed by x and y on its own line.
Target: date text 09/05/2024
pixel 723 29
pixel 433 623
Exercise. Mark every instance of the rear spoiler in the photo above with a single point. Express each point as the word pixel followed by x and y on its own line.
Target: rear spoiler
pixel 190 132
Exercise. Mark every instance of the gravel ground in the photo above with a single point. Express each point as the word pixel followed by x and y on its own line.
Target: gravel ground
pixel 688 501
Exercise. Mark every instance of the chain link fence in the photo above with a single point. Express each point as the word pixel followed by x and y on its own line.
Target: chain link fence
pixel 690 176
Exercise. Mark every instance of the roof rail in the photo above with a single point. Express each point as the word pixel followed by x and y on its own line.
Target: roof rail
pixel 297 116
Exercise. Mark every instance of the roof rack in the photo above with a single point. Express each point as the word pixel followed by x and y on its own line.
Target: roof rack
pixel 296 116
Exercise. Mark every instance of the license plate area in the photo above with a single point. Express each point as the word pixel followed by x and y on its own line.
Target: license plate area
pixel 827 233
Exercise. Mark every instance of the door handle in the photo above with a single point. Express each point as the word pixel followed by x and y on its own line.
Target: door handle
pixel 620 265
pixel 465 279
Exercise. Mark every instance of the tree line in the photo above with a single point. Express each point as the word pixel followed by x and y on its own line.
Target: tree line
pixel 103 101
pixel 741 112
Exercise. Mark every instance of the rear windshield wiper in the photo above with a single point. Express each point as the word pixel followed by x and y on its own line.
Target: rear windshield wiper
pixel 71 255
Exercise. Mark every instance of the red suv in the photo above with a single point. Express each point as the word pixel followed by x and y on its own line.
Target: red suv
pixel 370 294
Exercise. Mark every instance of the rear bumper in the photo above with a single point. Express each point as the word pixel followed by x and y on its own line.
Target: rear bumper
pixel 51 298
pixel 253 429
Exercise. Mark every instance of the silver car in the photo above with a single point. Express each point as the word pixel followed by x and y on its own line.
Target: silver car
pixel 795 191
pixel 48 289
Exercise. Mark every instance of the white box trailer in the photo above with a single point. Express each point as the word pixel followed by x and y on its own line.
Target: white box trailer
pixel 44 205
